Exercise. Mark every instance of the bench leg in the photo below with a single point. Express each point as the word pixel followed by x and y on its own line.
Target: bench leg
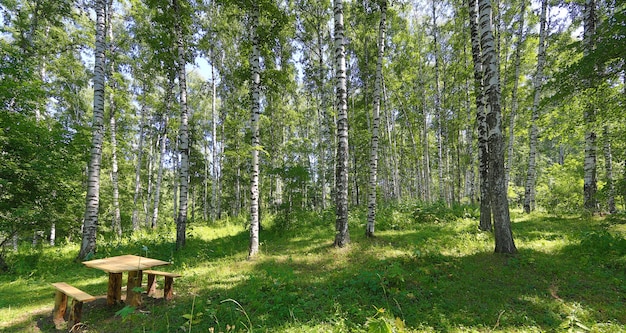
pixel 114 292
pixel 151 284
pixel 133 298
pixel 75 314
pixel 168 291
pixel 60 307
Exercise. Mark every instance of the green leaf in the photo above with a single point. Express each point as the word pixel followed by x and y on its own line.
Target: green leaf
pixel 125 311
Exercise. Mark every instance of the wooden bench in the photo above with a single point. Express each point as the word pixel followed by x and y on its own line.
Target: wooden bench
pixel 168 291
pixel 60 303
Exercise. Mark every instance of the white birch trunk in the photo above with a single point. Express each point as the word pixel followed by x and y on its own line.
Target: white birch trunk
pixel 590 178
pixel 148 199
pixel 142 119
pixel 90 222
pixel 438 113
pixel 514 103
pixel 608 167
pixel 531 176
pixel 181 219
pixel 214 119
pixel 481 120
pixel 371 204
pixel 157 188
pixel 255 111
pixel 499 201
pixel 342 236
pixel 395 173
pixel 469 141
pixel 116 224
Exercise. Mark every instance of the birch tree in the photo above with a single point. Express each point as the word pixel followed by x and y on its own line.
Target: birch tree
pixel 116 224
pixel 90 222
pixel 481 120
pixel 342 236
pixel 255 112
pixel 139 160
pixel 183 187
pixel 608 167
pixel 590 179
pixel 491 83
pixel 371 205
pixel 529 192
pixel 514 94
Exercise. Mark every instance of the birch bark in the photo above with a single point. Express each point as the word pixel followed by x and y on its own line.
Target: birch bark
pixel 90 222
pixel 499 201
pixel 181 219
pixel 116 224
pixel 142 119
pixel 371 205
pixel 514 99
pixel 438 113
pixel 608 167
pixel 590 179
pixel 481 120
pixel 529 192
pixel 342 236
pixel 255 99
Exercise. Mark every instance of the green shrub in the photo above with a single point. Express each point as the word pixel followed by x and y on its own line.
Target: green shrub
pixel 560 188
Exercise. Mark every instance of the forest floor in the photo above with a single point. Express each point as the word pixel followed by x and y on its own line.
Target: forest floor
pixel 423 272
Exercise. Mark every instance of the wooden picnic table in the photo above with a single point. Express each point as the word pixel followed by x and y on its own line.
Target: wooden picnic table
pixel 115 266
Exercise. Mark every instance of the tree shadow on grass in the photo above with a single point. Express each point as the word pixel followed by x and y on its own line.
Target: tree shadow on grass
pixel 421 276
pixel 542 290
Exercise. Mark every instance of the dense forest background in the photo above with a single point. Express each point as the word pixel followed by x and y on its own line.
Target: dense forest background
pixel 173 79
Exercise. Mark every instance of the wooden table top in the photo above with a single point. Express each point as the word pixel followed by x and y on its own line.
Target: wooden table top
pixel 124 263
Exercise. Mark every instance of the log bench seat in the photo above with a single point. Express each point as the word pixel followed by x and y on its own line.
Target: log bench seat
pixel 168 290
pixel 78 296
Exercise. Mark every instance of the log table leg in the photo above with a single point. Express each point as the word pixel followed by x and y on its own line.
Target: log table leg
pixel 60 307
pixel 168 291
pixel 114 292
pixel 151 284
pixel 133 298
pixel 75 314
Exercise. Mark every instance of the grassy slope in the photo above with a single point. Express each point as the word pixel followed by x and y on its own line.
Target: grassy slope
pixel 436 276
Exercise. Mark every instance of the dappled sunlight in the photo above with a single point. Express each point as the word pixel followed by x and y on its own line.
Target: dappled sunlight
pixel 440 276
pixel 546 246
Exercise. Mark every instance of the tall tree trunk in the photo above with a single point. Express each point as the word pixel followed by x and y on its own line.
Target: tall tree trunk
pixel 371 204
pixel 116 224
pixel 469 141
pixel 342 236
pixel 214 119
pixel 481 120
pixel 499 201
pixel 514 102
pixel 142 119
pixel 590 179
pixel 162 146
pixel 608 167
pixel 531 176
pixel 322 115
pixel 255 111
pixel 148 199
pixel 395 173
pixel 181 219
pixel 90 222
pixel 166 114
pixel 438 112
pixel 176 174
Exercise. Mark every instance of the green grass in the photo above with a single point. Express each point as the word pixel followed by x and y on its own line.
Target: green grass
pixel 435 276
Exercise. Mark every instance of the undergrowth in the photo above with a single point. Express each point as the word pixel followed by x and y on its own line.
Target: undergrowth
pixel 429 269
